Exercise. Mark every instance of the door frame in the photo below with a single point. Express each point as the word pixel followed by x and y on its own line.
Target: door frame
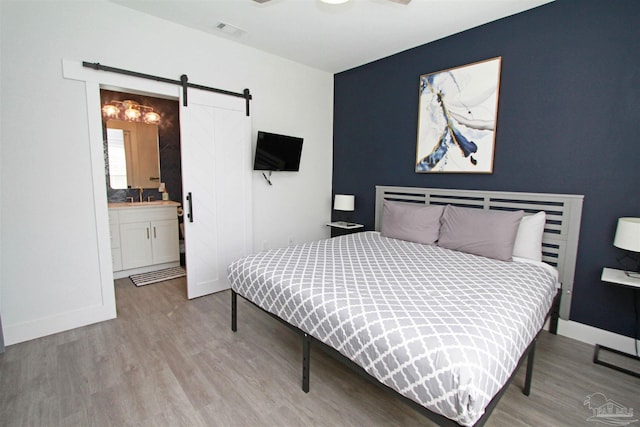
pixel 94 81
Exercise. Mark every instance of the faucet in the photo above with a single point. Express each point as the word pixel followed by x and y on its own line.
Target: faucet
pixel 140 190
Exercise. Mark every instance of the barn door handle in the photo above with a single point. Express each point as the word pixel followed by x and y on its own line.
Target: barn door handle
pixel 190 200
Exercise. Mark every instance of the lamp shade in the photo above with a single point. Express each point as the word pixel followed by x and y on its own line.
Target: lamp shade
pixel 344 202
pixel 628 234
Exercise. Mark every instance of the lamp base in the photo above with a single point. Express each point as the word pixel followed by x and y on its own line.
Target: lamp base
pixel 627 266
pixel 342 216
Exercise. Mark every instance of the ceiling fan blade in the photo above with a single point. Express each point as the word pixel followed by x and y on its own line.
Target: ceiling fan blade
pixel 261 1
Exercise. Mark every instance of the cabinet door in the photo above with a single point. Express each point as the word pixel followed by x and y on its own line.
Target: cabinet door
pixel 135 244
pixel 165 237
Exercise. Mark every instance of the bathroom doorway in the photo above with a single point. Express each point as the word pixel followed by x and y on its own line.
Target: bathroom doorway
pixel 222 229
pixel 142 157
pixel 168 143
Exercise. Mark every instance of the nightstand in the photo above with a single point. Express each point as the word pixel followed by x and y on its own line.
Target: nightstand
pixel 340 228
pixel 620 278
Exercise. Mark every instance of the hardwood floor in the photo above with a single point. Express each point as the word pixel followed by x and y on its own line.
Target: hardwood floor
pixel 169 361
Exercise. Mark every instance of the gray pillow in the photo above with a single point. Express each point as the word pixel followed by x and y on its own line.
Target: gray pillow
pixel 480 232
pixel 411 222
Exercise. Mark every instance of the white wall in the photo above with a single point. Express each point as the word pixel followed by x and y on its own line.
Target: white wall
pixel 1 334
pixel 49 266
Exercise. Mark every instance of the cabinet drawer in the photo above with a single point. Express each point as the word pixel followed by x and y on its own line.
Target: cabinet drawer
pixel 147 214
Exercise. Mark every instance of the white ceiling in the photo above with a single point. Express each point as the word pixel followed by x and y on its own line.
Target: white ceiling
pixel 333 38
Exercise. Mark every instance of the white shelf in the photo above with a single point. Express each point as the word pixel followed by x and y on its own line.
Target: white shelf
pixel 345 225
pixel 620 277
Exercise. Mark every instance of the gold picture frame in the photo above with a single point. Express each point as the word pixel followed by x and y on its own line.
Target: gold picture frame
pixel 457 116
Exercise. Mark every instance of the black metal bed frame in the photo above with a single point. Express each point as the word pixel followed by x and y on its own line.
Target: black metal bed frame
pixel 441 420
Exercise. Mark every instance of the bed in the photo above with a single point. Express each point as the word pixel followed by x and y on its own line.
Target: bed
pixel 442 328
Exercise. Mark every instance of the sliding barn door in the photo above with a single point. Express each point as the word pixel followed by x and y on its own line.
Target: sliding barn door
pixel 216 181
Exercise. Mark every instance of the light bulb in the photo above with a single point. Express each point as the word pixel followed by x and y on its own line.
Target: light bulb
pixel 110 110
pixel 152 117
pixel 132 114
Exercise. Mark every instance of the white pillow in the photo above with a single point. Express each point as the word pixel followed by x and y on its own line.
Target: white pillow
pixel 529 237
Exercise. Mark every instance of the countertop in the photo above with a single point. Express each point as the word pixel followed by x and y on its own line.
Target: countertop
pixel 151 204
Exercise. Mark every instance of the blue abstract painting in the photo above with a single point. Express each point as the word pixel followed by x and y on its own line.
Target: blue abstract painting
pixel 458 111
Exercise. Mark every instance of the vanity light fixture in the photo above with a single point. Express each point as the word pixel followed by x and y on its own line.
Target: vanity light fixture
pixel 130 111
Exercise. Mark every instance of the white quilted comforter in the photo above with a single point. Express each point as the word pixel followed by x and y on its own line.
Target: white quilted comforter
pixel 443 328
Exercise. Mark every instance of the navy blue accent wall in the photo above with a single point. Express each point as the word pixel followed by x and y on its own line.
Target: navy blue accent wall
pixel 568 122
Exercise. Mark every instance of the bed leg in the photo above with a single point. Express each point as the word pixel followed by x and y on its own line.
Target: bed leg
pixel 234 311
pixel 306 361
pixel 555 313
pixel 527 381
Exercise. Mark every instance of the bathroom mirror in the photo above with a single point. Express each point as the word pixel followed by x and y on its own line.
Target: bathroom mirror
pixel 132 149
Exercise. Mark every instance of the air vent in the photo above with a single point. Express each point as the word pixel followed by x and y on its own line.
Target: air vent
pixel 230 30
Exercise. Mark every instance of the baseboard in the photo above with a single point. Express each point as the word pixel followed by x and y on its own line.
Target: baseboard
pixel 26 331
pixel 590 335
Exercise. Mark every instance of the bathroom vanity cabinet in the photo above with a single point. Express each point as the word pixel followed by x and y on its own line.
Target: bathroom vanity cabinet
pixel 144 236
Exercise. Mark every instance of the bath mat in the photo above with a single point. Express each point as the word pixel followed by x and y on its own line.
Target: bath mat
pixel 157 276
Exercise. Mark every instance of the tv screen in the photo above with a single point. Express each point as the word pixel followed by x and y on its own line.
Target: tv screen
pixel 277 152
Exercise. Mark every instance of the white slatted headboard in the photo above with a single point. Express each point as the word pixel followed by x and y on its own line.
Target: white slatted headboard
pixel 560 239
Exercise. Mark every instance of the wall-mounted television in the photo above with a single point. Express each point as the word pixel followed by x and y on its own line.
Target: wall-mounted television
pixel 276 152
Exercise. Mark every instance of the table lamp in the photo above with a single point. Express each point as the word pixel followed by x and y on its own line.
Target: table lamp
pixel 628 237
pixel 344 203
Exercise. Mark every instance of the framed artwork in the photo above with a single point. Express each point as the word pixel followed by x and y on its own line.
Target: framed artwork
pixel 457 116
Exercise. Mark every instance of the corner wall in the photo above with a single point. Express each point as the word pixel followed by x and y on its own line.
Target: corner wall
pixel 567 123
pixel 49 266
